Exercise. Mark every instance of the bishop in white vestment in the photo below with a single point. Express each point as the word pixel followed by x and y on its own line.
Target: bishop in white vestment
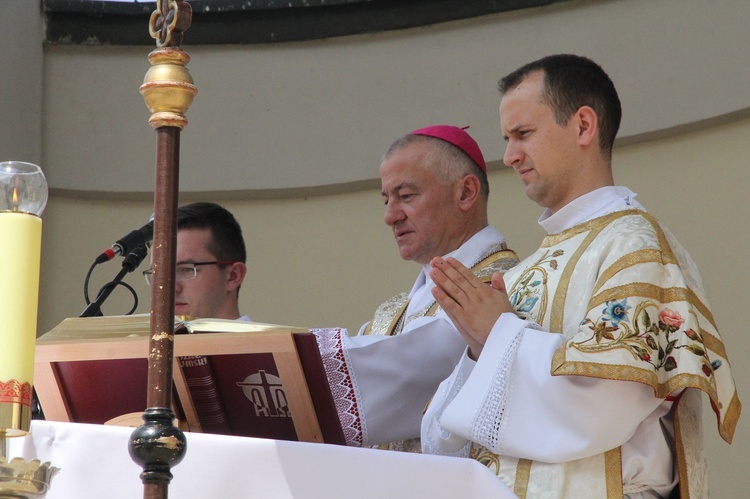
pixel 435 192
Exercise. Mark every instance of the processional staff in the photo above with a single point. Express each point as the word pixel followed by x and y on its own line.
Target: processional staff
pixel 168 90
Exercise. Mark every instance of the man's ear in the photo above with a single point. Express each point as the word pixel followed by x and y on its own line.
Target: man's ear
pixel 237 273
pixel 588 126
pixel 471 191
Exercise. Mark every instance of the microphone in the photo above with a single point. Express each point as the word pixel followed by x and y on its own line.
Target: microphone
pixel 129 242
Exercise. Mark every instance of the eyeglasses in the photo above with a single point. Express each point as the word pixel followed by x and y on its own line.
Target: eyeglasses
pixel 184 271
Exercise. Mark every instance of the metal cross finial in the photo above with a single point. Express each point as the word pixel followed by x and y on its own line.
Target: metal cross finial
pixel 169 21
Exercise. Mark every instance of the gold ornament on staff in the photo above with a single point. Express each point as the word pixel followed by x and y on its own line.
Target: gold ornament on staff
pixel 23 197
pixel 168 91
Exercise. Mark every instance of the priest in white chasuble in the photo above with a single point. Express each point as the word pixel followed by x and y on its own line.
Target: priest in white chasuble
pixel 585 363
pixel 435 190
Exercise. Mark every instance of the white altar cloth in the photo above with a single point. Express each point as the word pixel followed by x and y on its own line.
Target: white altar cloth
pixel 95 464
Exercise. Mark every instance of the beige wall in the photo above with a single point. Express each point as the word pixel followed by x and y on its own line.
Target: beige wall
pixel 329 260
pixel 318 113
pixel 21 70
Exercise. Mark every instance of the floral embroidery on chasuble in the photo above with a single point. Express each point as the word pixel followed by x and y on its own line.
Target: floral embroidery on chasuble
pixel 629 301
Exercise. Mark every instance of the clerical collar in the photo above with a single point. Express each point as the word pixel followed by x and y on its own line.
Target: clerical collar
pixel 589 206
pixel 485 237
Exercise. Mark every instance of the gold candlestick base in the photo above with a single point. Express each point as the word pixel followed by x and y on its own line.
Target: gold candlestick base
pixel 15 418
pixel 25 480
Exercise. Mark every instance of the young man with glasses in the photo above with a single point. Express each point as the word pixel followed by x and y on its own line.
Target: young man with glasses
pixel 210 260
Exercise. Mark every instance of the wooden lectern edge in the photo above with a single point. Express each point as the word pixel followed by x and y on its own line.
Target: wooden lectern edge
pixel 281 345
pixel 136 347
pixel 131 419
pixel 192 422
pixel 49 389
pixel 135 419
pixel 301 406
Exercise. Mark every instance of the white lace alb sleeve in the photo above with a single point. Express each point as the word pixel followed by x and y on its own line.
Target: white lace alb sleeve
pixel 511 404
pixel 381 384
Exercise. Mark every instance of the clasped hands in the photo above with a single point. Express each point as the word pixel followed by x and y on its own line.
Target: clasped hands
pixel 471 304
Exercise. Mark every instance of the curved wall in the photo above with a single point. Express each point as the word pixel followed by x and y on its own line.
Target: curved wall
pixel 311 117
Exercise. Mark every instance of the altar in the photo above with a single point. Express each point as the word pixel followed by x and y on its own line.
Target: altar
pixel 94 463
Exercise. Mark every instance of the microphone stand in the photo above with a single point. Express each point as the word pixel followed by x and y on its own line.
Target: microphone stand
pixel 129 264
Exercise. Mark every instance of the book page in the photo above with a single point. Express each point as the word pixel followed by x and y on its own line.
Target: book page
pixel 121 326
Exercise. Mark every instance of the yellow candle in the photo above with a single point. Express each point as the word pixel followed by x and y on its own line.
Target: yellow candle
pixel 20 253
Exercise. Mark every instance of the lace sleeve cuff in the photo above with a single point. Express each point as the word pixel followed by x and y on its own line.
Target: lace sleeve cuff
pixel 478 410
pixel 334 353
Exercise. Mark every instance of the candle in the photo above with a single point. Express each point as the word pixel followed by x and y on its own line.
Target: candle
pixel 20 254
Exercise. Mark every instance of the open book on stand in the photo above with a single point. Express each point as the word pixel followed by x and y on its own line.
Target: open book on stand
pixel 236 378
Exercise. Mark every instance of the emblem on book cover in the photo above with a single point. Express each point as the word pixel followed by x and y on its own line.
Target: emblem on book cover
pixel 265 392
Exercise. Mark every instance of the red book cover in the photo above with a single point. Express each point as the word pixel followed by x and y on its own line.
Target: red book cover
pixel 250 389
pixel 236 394
pixel 100 390
pixel 201 381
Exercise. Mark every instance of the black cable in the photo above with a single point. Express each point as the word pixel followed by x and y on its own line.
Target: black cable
pixel 111 285
pixel 86 283
pixel 130 263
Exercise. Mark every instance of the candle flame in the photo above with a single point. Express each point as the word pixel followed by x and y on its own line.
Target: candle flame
pixel 15 199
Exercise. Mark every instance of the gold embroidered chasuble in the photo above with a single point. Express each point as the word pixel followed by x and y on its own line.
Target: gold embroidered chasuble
pixel 390 319
pixel 629 301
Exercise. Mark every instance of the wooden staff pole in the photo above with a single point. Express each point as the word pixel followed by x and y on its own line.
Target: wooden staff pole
pixel 168 90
